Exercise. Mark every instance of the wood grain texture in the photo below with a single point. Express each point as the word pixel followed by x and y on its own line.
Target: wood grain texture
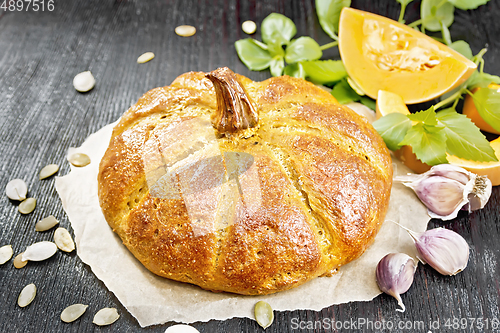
pixel 41 116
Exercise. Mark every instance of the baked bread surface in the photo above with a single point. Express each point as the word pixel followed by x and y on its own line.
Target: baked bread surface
pixel 295 197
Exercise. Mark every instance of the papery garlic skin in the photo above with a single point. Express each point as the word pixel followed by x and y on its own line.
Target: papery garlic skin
pixel 394 275
pixel 446 189
pixel 444 250
pixel 480 193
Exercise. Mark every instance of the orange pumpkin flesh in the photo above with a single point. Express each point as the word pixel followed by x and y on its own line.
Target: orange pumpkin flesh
pixel 379 54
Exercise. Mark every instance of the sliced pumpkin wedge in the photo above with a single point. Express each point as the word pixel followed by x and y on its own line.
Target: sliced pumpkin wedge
pixel 382 54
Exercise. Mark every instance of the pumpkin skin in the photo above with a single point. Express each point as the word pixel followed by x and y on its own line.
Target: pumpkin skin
pixel 254 199
pixel 374 60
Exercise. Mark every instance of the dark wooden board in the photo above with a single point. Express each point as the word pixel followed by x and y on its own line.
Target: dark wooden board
pixel 41 116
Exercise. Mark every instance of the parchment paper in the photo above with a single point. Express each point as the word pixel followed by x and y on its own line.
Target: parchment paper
pixel 154 300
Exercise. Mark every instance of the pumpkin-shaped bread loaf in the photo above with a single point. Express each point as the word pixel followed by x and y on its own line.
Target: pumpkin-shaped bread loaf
pixel 241 186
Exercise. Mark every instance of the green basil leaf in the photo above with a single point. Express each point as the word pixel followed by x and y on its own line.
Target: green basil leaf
pixel 252 55
pixel 435 12
pixel 324 71
pixel 467 4
pixel 295 70
pixel 277 29
pixel 343 93
pixel 487 102
pixel 329 14
pixel 366 101
pixel 277 65
pixel 463 138
pixel 276 50
pixel 427 117
pixel 393 129
pixel 427 142
pixel 463 48
pixel 481 80
pixel 303 48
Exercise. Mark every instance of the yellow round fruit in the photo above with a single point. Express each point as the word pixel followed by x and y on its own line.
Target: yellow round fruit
pixel 470 111
pixel 381 54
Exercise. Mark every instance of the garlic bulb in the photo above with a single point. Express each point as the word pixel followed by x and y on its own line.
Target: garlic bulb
pixel 394 275
pixel 444 250
pixel 446 188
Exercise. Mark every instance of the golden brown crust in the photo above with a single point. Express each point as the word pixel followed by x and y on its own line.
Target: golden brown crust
pixel 297 197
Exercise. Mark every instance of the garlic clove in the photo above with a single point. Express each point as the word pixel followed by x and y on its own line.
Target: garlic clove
pixel 443 249
pixel 446 189
pixel 394 275
pixel 450 171
pixel 442 196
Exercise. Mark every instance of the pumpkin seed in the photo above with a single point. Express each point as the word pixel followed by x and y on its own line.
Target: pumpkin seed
pixel 185 30
pixel 264 314
pixel 16 189
pixel 5 253
pixel 84 81
pixel 79 159
pixel 27 206
pixel 27 295
pixel 63 240
pixel 48 171
pixel 39 251
pixel 249 27
pixel 145 57
pixel 106 316
pixel 181 328
pixel 47 223
pixel 73 312
pixel 19 262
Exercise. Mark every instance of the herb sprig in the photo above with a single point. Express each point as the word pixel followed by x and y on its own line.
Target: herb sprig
pixel 431 133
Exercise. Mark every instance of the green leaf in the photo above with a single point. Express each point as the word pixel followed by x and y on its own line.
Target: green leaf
pixel 463 138
pixel 276 66
pixel 295 70
pixel 252 55
pixel 487 102
pixel 481 80
pixel 435 12
pixel 276 50
pixel 446 34
pixel 404 2
pixel 427 117
pixel 328 12
pixel 303 48
pixel 427 142
pixel 393 128
pixel 462 47
pixel 343 93
pixel 366 101
pixel 467 4
pixel 277 29
pixel 324 71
